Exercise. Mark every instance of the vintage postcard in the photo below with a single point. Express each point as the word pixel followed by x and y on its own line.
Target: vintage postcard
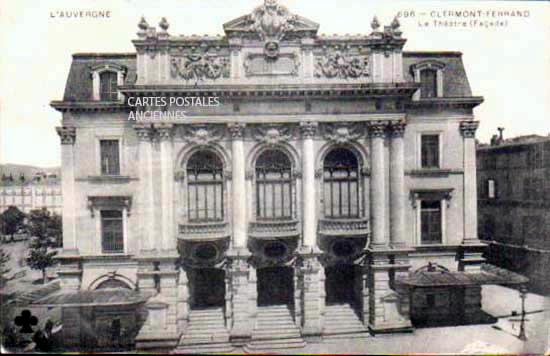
pixel 275 176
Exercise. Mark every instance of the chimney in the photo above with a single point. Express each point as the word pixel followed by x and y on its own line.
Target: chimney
pixel 501 136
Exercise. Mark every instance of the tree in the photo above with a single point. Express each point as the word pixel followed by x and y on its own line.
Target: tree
pixel 45 230
pixel 13 220
pixel 4 270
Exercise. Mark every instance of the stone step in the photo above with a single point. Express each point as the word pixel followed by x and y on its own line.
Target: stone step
pixel 203 339
pixel 268 345
pixel 223 347
pixel 275 333
pixel 275 323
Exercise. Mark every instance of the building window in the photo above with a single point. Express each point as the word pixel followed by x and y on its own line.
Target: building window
pixel 534 156
pixel 108 83
pixel 205 191
pixel 273 186
pixel 531 228
pixel 112 236
pixel 341 184
pixel 430 222
pixel 491 189
pixel 110 159
pixel 430 151
pixel 428 83
pixel 533 189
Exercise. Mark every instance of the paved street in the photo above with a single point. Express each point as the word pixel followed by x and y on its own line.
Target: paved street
pixel 497 301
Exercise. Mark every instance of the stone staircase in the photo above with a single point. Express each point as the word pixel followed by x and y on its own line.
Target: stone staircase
pixel 341 321
pixel 206 333
pixel 274 329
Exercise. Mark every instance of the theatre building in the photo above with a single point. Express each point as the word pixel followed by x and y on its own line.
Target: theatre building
pixel 332 190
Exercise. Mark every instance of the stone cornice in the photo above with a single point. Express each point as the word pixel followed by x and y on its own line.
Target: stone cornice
pixel 446 102
pixel 277 91
pixel 64 106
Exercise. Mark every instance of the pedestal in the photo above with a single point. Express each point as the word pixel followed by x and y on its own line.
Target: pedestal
pixel 388 308
pixel 312 303
pixel 241 330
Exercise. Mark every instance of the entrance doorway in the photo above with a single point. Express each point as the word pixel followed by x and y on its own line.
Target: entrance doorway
pixel 207 288
pixel 339 284
pixel 275 286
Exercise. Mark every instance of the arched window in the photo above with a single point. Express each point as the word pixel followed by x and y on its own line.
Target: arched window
pixel 108 82
pixel 428 82
pixel 273 186
pixel 205 187
pixel 341 184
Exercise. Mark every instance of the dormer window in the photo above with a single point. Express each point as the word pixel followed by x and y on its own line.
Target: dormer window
pixel 428 81
pixel 106 78
pixel 108 83
pixel 430 76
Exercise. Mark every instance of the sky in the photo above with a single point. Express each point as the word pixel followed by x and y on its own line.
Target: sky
pixel 509 66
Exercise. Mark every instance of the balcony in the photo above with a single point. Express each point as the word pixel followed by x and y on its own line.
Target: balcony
pixel 203 231
pixel 274 229
pixel 352 227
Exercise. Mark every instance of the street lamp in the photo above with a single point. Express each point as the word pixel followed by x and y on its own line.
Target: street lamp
pixel 522 294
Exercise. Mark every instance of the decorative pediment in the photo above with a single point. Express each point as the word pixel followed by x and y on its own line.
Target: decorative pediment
pixel 431 194
pixel 342 64
pixel 199 66
pixel 109 202
pixel 271 22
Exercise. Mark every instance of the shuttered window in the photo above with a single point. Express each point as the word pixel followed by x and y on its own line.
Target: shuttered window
pixel 273 186
pixel 205 191
pixel 109 151
pixel 430 222
pixel 112 231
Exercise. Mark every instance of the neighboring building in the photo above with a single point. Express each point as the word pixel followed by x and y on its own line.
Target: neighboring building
pixel 514 205
pixel 295 209
pixel 42 191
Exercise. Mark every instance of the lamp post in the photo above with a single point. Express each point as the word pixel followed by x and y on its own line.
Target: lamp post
pixel 523 294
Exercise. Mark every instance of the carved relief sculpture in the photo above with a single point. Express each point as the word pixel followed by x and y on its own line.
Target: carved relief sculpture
pixel 340 64
pixel 199 66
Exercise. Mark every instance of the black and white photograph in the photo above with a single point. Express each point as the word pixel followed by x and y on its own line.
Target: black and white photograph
pixel 275 177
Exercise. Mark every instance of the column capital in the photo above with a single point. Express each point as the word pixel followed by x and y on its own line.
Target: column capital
pixel 377 129
pixel 165 131
pixel 67 134
pixel 144 133
pixel 308 129
pixel 236 129
pixel 397 129
pixel 468 128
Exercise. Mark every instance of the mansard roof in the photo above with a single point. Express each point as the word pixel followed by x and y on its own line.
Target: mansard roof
pixel 79 82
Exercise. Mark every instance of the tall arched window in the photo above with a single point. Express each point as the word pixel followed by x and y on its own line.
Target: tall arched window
pixel 273 186
pixel 108 82
pixel 205 187
pixel 341 184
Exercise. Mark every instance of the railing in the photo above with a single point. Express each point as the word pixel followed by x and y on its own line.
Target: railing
pixel 194 231
pixel 352 227
pixel 274 229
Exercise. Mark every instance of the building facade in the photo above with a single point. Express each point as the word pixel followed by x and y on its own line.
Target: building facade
pixel 309 175
pixel 37 194
pixel 514 209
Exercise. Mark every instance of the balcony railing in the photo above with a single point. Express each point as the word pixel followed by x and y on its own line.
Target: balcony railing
pixel 344 227
pixel 203 231
pixel 274 229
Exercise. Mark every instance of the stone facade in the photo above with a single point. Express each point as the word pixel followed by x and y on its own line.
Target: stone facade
pixel 32 195
pixel 514 214
pixel 291 229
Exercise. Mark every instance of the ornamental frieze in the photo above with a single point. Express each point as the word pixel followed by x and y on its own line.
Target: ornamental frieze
pixel 200 66
pixel 343 133
pixel 272 134
pixel 201 134
pixel 341 64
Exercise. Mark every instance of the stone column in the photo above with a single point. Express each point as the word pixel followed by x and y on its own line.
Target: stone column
pixel 68 138
pixel 397 187
pixel 309 221
pixel 146 208
pixel 468 130
pixel 238 191
pixel 377 133
pixel 471 253
pixel 165 132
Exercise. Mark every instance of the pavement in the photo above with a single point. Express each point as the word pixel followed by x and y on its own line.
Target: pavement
pixel 470 339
